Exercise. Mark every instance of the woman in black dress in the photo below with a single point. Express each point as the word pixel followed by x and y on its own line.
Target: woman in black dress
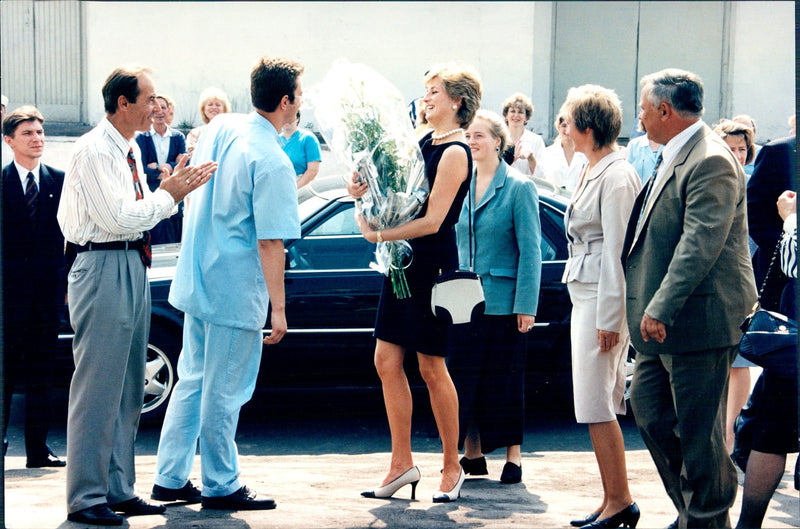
pixel 452 97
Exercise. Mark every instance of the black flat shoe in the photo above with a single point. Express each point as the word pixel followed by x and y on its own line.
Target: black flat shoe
pixel 188 493
pixel 474 467
pixel 585 521
pixel 511 473
pixel 95 515
pixel 627 517
pixel 243 499
pixel 137 507
pixel 49 460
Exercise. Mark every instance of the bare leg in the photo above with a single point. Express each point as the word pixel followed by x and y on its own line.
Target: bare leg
pixel 764 472
pixel 472 443
pixel 609 448
pixel 738 391
pixel 444 401
pixel 513 455
pixel 397 399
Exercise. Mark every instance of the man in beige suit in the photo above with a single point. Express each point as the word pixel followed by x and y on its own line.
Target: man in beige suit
pixel 689 286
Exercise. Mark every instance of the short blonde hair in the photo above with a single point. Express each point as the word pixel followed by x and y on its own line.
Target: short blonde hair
pixel 519 101
pixel 213 93
pixel 497 128
pixel 462 82
pixel 727 127
pixel 597 108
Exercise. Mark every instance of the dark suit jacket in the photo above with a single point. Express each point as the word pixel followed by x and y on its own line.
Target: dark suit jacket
pixel 33 259
pixel 177 145
pixel 688 263
pixel 774 169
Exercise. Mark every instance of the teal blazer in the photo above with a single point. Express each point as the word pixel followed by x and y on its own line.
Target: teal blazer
pixel 507 251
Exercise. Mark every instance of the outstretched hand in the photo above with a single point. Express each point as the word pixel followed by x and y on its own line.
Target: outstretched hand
pixel 185 179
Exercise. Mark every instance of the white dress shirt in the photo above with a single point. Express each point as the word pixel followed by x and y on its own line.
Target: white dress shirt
pixel 161 143
pixel 98 200
pixel 673 147
pixel 23 175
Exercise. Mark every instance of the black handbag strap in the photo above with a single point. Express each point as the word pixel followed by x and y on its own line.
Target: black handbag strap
pixel 471 233
pixel 775 254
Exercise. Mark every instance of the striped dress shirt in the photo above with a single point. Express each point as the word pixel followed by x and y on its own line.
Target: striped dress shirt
pixel 98 201
pixel 789 247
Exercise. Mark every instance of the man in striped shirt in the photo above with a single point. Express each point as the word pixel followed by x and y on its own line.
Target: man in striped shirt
pixel 105 211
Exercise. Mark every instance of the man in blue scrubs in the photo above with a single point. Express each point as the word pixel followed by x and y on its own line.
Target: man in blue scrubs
pixel 230 269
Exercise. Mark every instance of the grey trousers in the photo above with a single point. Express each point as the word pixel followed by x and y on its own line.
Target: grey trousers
pixel 109 308
pixel 679 403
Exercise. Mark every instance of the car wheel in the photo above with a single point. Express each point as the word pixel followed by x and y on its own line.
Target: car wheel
pixel 161 371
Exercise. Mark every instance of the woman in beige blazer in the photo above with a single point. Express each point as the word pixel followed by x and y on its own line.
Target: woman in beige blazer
pixel 596 221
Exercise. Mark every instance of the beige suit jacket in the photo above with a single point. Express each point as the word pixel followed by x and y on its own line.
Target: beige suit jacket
pixel 687 262
pixel 595 220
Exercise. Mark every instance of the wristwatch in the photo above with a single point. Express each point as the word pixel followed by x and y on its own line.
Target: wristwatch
pixel 380 237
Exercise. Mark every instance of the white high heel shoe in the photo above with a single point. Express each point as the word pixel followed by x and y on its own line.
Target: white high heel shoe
pixel 453 494
pixel 410 476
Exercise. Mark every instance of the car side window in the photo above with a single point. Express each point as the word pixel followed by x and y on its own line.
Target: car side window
pixel 335 243
pixel 343 222
pixel 553 237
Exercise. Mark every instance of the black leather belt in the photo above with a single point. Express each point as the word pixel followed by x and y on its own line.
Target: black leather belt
pixel 114 245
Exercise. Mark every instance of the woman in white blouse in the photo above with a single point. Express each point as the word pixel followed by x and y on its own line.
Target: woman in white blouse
pixel 526 148
pixel 561 163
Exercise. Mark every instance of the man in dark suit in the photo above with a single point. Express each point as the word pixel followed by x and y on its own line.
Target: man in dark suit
pixel 689 286
pixel 161 146
pixel 774 169
pixel 33 278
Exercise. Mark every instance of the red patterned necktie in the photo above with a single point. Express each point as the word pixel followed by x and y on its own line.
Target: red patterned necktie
pixel 146 253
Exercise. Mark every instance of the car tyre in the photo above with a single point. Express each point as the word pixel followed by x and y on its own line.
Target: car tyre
pixel 161 371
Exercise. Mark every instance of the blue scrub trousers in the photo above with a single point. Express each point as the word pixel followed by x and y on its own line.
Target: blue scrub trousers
pixel 217 373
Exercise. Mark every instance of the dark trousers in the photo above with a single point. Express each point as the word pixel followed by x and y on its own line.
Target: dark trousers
pixel 30 338
pixel 679 402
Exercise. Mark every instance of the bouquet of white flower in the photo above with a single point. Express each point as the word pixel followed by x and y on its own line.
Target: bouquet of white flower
pixel 365 122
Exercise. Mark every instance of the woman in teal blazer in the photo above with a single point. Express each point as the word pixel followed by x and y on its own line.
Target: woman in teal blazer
pixel 488 363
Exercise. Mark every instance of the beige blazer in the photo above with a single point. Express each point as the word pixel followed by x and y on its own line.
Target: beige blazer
pixel 687 264
pixel 595 222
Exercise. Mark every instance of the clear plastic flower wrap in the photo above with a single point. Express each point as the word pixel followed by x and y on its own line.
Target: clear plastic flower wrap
pixel 364 120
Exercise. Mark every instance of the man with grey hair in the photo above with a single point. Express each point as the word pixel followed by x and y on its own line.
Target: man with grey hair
pixel 689 286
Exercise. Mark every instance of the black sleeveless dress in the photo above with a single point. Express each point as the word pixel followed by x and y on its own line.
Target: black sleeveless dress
pixel 410 322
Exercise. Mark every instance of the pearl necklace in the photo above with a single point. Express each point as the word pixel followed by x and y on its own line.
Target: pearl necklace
pixel 438 137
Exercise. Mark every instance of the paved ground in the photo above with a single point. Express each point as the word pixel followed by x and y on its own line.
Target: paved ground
pixel 315 467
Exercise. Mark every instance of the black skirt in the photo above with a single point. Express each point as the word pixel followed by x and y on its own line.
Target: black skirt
pixel 410 322
pixel 487 365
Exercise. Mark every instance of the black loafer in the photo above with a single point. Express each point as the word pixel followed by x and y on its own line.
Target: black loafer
pixel 137 507
pixel 511 473
pixel 95 515
pixel 474 467
pixel 243 499
pixel 49 460
pixel 188 493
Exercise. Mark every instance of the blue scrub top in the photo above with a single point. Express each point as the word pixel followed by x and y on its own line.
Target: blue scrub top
pixel 251 196
pixel 302 147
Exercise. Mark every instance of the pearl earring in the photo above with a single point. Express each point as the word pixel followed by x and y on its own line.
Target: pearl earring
pixel 455 107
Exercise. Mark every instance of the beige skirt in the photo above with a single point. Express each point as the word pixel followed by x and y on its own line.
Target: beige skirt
pixel 598 379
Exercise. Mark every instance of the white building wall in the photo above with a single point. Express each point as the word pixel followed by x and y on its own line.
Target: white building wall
pixel 192 45
pixel 763 66
pixel 195 45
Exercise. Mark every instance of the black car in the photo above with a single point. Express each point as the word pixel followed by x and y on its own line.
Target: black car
pixel 331 300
